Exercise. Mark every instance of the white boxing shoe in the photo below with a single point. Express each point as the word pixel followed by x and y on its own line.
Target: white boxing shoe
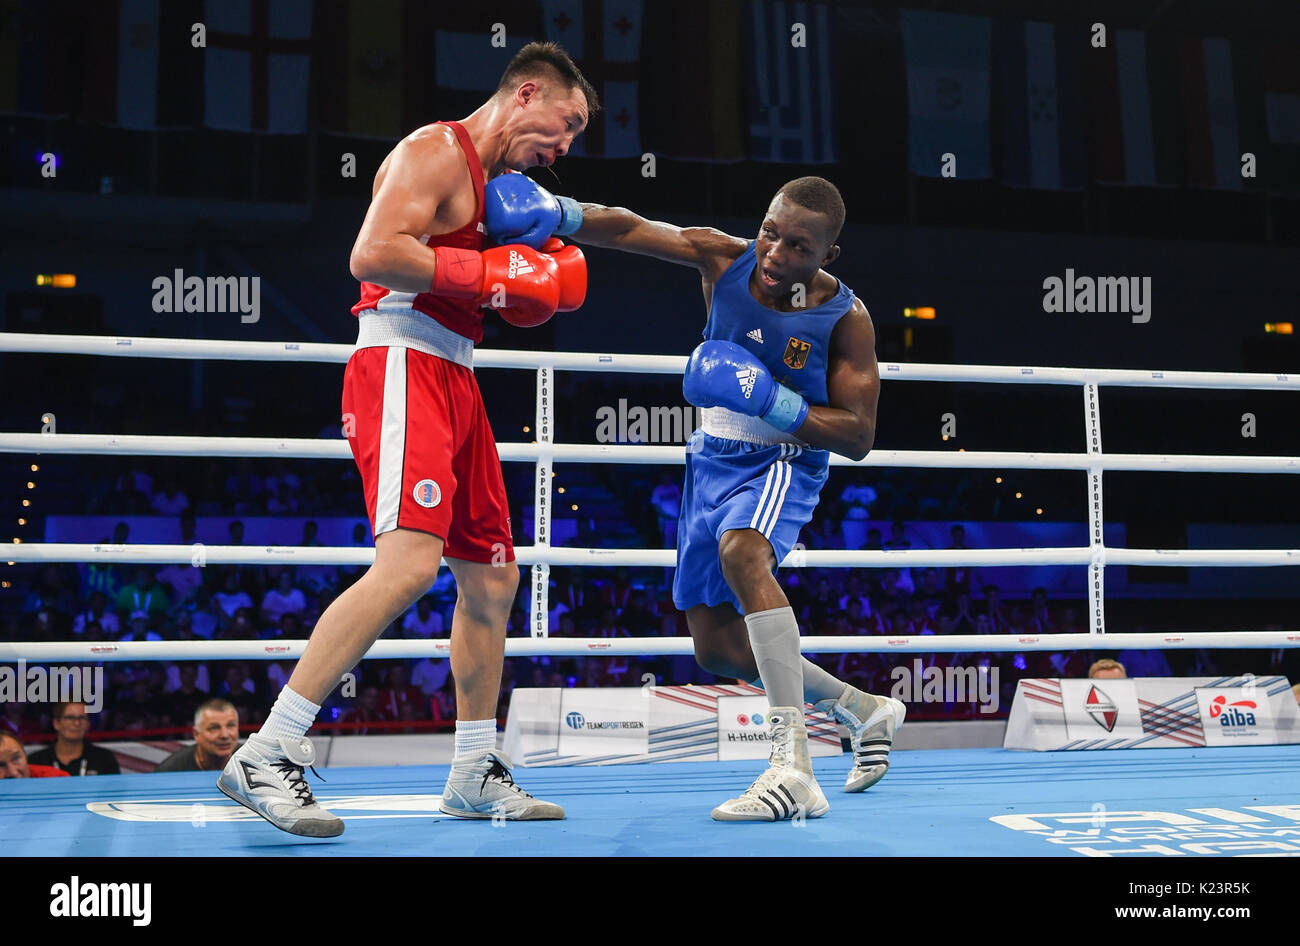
pixel 265 775
pixel 484 788
pixel 872 722
pixel 787 790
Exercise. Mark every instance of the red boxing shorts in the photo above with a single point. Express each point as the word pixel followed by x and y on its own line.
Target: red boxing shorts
pixel 425 450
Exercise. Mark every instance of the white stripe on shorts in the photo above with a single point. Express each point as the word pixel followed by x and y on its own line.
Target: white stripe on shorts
pixel 778 500
pixel 392 443
pixel 762 500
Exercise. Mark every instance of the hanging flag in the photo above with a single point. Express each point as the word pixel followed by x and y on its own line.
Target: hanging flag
pixel 792 98
pixel 362 88
pixel 691 106
pixel 1279 156
pixel 472 45
pixel 947 58
pixel 1043 120
pixel 1209 108
pixel 604 38
pixel 1133 110
pixel 257 65
pixel 136 88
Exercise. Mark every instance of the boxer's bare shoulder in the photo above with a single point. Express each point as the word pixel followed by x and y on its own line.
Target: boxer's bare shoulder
pixel 428 167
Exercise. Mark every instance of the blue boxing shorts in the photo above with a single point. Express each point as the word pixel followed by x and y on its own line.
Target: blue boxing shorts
pixel 731 484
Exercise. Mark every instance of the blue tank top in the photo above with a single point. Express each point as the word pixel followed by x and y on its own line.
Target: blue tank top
pixel 792 345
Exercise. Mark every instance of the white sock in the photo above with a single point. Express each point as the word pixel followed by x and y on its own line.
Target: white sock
pixel 818 684
pixel 473 738
pixel 291 716
pixel 774 638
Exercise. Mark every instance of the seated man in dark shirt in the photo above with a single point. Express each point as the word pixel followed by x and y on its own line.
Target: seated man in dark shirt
pixel 71 752
pixel 216 736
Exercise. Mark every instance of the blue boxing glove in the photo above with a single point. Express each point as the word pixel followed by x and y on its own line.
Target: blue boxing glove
pixel 724 374
pixel 517 210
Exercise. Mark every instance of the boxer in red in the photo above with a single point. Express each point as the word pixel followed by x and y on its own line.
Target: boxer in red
pixel 415 420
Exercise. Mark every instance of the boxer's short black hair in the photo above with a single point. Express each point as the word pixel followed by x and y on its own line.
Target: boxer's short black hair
pixel 548 60
pixel 821 196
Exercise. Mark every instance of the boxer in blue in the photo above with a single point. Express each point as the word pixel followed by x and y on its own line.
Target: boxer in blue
pixel 786 374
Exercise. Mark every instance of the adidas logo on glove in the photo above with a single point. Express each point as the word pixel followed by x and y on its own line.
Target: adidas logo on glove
pixel 518 265
pixel 747 377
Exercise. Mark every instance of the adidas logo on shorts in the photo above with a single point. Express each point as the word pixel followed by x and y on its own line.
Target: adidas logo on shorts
pixel 747 377
pixel 756 335
pixel 518 265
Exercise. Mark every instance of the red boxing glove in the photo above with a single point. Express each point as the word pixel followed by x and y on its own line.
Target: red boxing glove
pixel 521 284
pixel 571 268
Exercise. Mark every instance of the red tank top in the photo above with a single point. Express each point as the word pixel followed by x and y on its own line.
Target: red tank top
pixel 462 316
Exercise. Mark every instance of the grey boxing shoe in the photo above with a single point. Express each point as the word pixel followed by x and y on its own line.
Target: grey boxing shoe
pixel 266 776
pixel 872 722
pixel 787 789
pixel 484 788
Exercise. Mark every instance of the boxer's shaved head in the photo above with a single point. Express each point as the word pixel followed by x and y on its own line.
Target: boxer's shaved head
pixel 547 63
pixel 820 196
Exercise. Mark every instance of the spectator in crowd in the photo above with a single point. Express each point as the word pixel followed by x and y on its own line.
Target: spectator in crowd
pixel 143 594
pixel 238 687
pixel 315 578
pixel 187 686
pixel 14 764
pixel 242 627
pixel 856 499
pixel 281 476
pixel 1145 663
pixel 170 501
pixel 282 502
pixel 430 674
pixel 369 709
pixel 1040 618
pixel 873 540
pixel 962 577
pixel 231 597
pixel 71 751
pixel 994 611
pixel 236 530
pixel 188 536
pixel 398 693
pixel 930 592
pixel 183 579
pixel 289 628
pixel 1106 669
pixel 206 616
pixel 1070 622
pixel 244 488
pixel 101 576
pixel 97 613
pixel 667 501
pixel 284 598
pixel 140 628
pixel 422 621
pixel 216 736
pixel 52 592
pixel 639 617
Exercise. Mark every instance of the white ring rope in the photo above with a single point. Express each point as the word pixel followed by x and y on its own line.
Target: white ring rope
pixel 202 555
pixel 142 445
pixel 97 651
pixel 221 349
pixel 544 453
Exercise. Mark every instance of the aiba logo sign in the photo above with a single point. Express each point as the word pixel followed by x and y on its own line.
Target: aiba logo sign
pixel 1236 713
pixel 1101 708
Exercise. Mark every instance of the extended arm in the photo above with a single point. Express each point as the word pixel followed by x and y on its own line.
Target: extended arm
pixel 620 229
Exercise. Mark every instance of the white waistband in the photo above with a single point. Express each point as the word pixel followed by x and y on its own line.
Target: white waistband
pixel 720 422
pixel 406 328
